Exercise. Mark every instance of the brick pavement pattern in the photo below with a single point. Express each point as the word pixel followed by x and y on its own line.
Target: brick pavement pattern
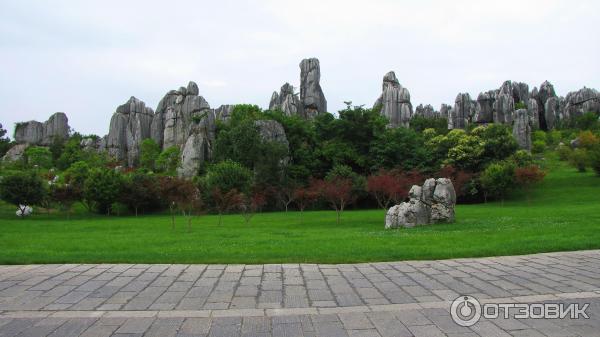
pixel 409 298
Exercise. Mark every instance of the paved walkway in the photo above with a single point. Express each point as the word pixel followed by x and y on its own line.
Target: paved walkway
pixel 373 299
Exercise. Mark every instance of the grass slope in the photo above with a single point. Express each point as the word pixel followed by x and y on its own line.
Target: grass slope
pixel 564 215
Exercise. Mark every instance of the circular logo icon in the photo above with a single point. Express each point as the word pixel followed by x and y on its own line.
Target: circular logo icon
pixel 465 310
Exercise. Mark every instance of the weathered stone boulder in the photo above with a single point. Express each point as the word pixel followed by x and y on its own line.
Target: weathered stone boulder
pixel 522 129
pixel 432 203
pixel 504 106
pixel 462 112
pixel 395 101
pixel 312 98
pixel 129 126
pixel 15 153
pixel 581 101
pixel 444 200
pixel 36 133
pixel 223 113
pixel 286 101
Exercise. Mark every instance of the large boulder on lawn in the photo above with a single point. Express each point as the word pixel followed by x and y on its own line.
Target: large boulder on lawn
pixel 432 203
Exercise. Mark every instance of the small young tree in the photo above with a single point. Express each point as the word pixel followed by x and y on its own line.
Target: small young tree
pixel 528 176
pixel 22 189
pixel 338 193
pixel 188 200
pixel 225 201
pixel 384 187
pixel 102 188
pixel 169 194
pixel 304 197
pixel 250 204
pixel 285 195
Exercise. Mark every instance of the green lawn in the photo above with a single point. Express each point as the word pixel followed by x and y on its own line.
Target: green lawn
pixel 564 215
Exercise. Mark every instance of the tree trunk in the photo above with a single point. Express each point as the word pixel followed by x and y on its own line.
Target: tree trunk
pixel 136 211
pixel 172 219
pixel 189 224
pixel 338 216
pixel 220 216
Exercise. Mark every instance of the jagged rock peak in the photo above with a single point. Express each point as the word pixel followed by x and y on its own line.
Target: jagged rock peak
pixel 286 101
pixel 394 101
pixel 129 126
pixel 462 112
pixel 311 95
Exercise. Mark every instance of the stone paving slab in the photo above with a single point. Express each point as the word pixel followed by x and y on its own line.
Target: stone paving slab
pixel 410 298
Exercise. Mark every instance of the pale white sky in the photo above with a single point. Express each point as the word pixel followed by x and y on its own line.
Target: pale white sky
pixel 87 57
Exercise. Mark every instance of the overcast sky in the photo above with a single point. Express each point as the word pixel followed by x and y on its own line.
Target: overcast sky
pixel 87 57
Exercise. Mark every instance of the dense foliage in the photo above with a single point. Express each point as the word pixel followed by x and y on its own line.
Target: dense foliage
pixel 349 160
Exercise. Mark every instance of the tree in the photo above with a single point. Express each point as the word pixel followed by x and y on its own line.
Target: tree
pixel 169 160
pixel 102 188
pixel 385 188
pixel 228 175
pixel 460 178
pixel 22 189
pixel 39 157
pixel 400 147
pixel 306 196
pixel 188 200
pixel 65 195
pixel 497 179
pixel 149 153
pixel 169 194
pixel 579 159
pixel 139 191
pixel 250 204
pixel 528 176
pixel 5 142
pixel 285 195
pixel 225 201
pixel 337 192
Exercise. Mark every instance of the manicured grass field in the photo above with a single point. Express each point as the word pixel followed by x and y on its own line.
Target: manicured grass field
pixel 564 214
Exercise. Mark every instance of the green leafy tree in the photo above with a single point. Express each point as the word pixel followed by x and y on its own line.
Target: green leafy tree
pixel 497 179
pixel 5 142
pixel 70 153
pixel 420 123
pixel 169 160
pixel 149 153
pixel 228 175
pixel 400 147
pixel 38 156
pixel 65 195
pixel 22 189
pixel 102 188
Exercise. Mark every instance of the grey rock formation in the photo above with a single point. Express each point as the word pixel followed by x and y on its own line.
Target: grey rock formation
pixel 311 95
pixel 446 112
pixel 223 113
pixel 286 101
pixel 518 90
pixel 522 129
pixel 581 101
pixel 432 203
pixel 551 112
pixel 462 112
pixel 504 107
pixel 533 112
pixel 129 126
pixel 185 120
pixel 36 133
pixel 426 111
pixel 545 92
pixel 271 131
pixel 484 108
pixel 395 101
pixel 444 200
pixel 15 153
